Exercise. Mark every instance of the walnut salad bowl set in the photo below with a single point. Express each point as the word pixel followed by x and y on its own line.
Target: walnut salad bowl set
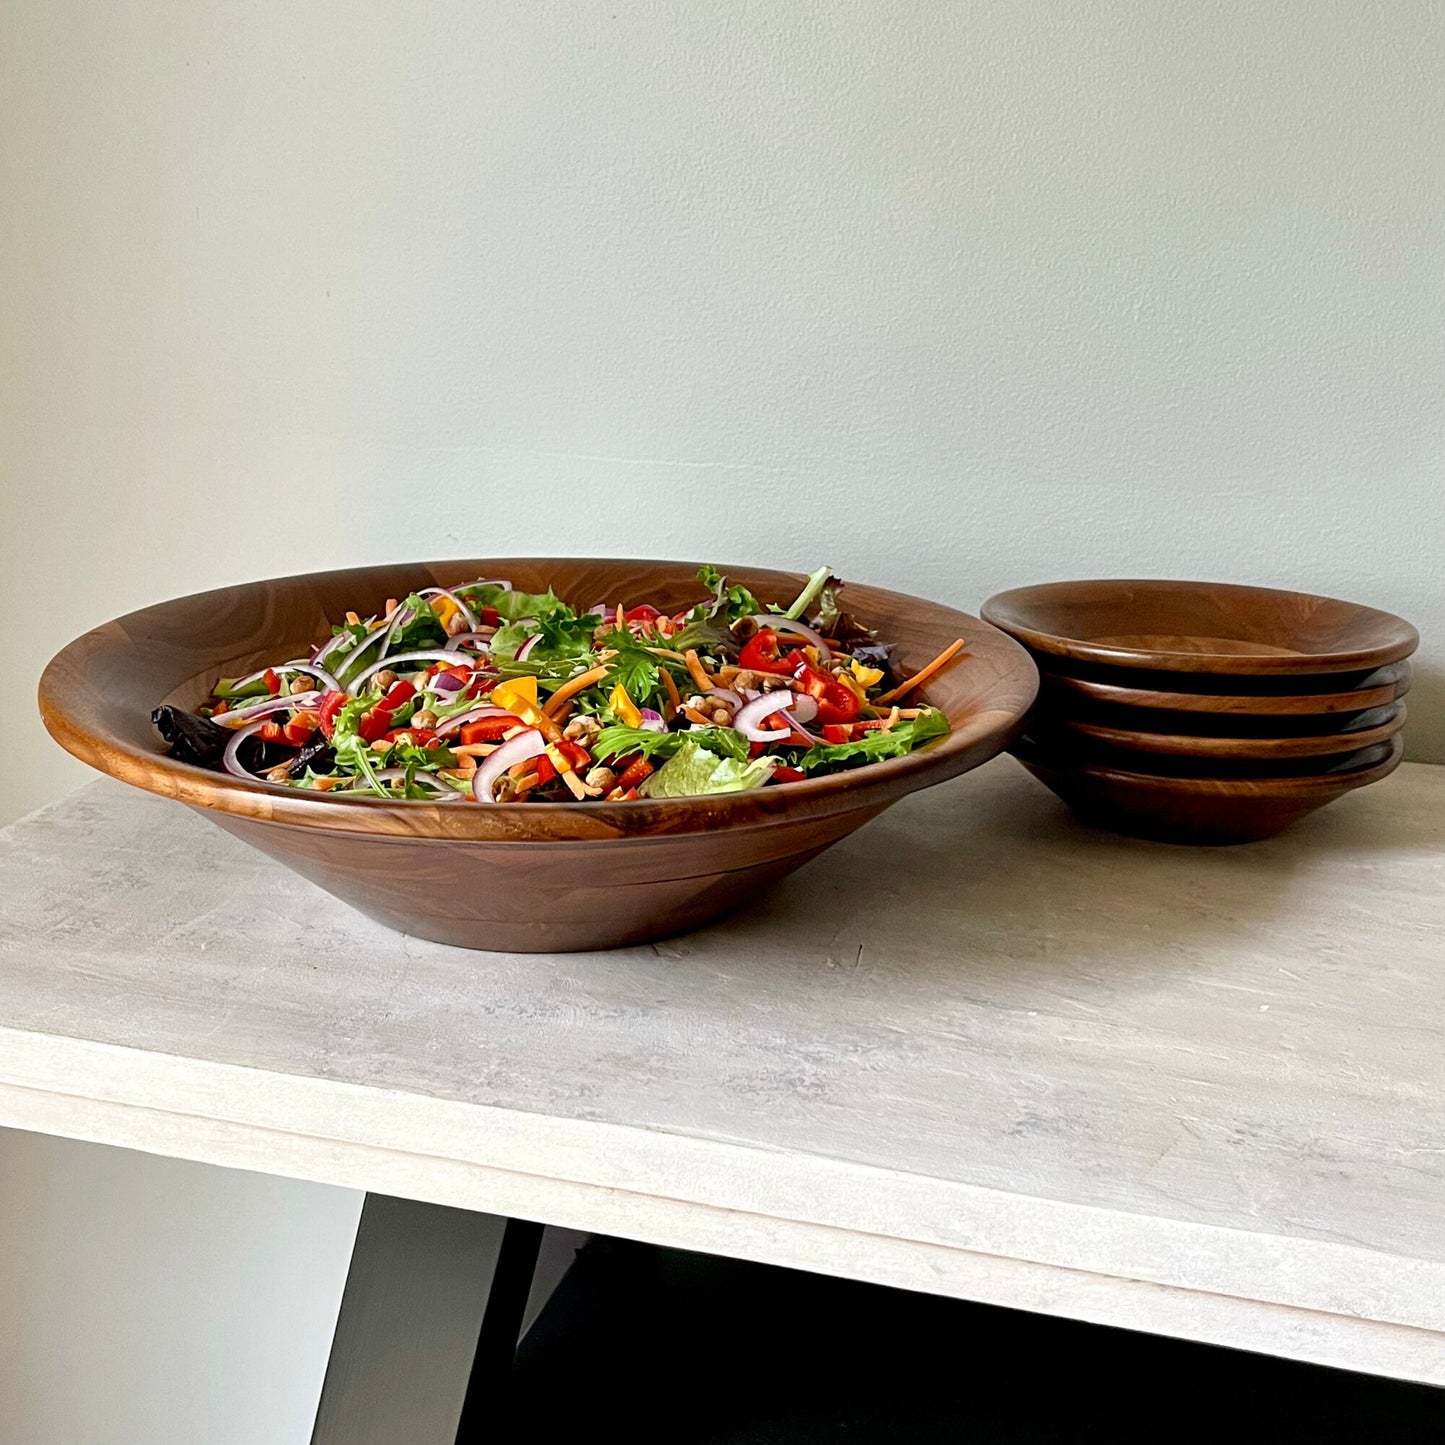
pixel 1188 712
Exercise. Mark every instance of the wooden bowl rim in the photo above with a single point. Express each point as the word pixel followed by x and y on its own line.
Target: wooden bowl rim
pixel 1007 611
pixel 1322 704
pixel 982 734
pixel 1244 787
pixel 1221 748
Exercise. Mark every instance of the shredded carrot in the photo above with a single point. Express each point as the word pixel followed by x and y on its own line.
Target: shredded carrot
pixel 566 711
pixel 353 619
pixel 666 652
pixel 390 606
pixel 938 663
pixel 674 697
pixel 571 689
pixel 693 715
pixel 696 670
pixel 725 675
pixel 476 750
pixel 575 785
pixel 621 619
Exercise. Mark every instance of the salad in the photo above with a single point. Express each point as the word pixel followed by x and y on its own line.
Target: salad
pixel 481 693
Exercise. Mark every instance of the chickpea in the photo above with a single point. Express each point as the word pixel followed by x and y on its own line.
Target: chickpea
pixel 383 679
pixel 721 716
pixel 582 730
pixel 601 778
pixel 456 624
pixel 381 745
pixel 302 684
pixel 426 718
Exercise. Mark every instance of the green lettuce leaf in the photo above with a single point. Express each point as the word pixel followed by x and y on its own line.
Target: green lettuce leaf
pixel 692 771
pixel 618 741
pixel 877 745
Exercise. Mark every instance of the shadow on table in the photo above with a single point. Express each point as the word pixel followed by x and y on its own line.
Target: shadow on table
pixel 650 1345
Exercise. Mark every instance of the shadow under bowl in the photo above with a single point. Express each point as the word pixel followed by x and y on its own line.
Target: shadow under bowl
pixel 527 877
pixel 1213 628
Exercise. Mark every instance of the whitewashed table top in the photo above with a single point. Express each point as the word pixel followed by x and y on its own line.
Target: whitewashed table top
pixel 977 1048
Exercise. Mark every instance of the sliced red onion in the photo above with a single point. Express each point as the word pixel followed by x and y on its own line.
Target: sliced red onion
pixel 651 721
pixel 433 654
pixel 471 715
pixel 445 794
pixel 527 646
pixel 803 708
pixel 467 612
pixel 601 609
pixel 753 713
pixel 481 638
pixel 298 701
pixel 520 749
pixel 448 682
pixel 797 629
pixel 231 760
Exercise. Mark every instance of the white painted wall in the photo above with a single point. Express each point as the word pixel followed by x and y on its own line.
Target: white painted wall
pixel 950 295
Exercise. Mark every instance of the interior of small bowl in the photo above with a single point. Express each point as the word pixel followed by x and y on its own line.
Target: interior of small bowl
pixel 97 695
pixel 1183 624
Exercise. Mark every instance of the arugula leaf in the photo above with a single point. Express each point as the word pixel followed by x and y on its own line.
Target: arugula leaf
pixel 619 741
pixel 352 750
pixel 634 667
pixel 693 771
pixel 878 744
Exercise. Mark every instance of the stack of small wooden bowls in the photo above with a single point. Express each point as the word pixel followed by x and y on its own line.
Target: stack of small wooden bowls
pixel 1199 712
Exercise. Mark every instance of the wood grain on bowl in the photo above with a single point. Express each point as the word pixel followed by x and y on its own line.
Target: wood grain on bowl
pixel 529 876
pixel 1200 627
pixel 1264 749
pixel 1305 704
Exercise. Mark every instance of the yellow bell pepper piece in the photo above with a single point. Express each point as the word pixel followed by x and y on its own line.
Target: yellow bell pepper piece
pixel 866 675
pixel 519 693
pixel 445 609
pixel 624 707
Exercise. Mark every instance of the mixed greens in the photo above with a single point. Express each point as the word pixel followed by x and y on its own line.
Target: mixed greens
pixel 483 693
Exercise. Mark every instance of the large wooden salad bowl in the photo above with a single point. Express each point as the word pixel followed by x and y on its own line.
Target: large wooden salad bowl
pixel 529 876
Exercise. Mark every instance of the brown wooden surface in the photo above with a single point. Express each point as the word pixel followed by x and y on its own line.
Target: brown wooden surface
pixel 1263 749
pixel 1193 810
pixel 1200 627
pixel 515 876
pixel 1284 705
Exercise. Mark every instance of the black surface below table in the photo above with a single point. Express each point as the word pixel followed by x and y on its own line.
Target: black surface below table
pixel 646 1344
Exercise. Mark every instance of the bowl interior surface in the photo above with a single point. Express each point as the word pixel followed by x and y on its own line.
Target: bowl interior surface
pixel 97 695
pixel 1200 627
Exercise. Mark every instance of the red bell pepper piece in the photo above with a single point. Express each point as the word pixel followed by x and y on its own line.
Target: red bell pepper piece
pixel 838 732
pixel 788 775
pixel 763 653
pixel 272 680
pixel 327 709
pixel 635 773
pixel 488 729
pixel 645 612
pixel 489 617
pixel 837 702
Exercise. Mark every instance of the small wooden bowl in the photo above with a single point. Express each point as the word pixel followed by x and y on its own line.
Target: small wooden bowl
pixel 1210 811
pixel 1262 749
pixel 525 877
pixel 1286 705
pixel 1200 627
